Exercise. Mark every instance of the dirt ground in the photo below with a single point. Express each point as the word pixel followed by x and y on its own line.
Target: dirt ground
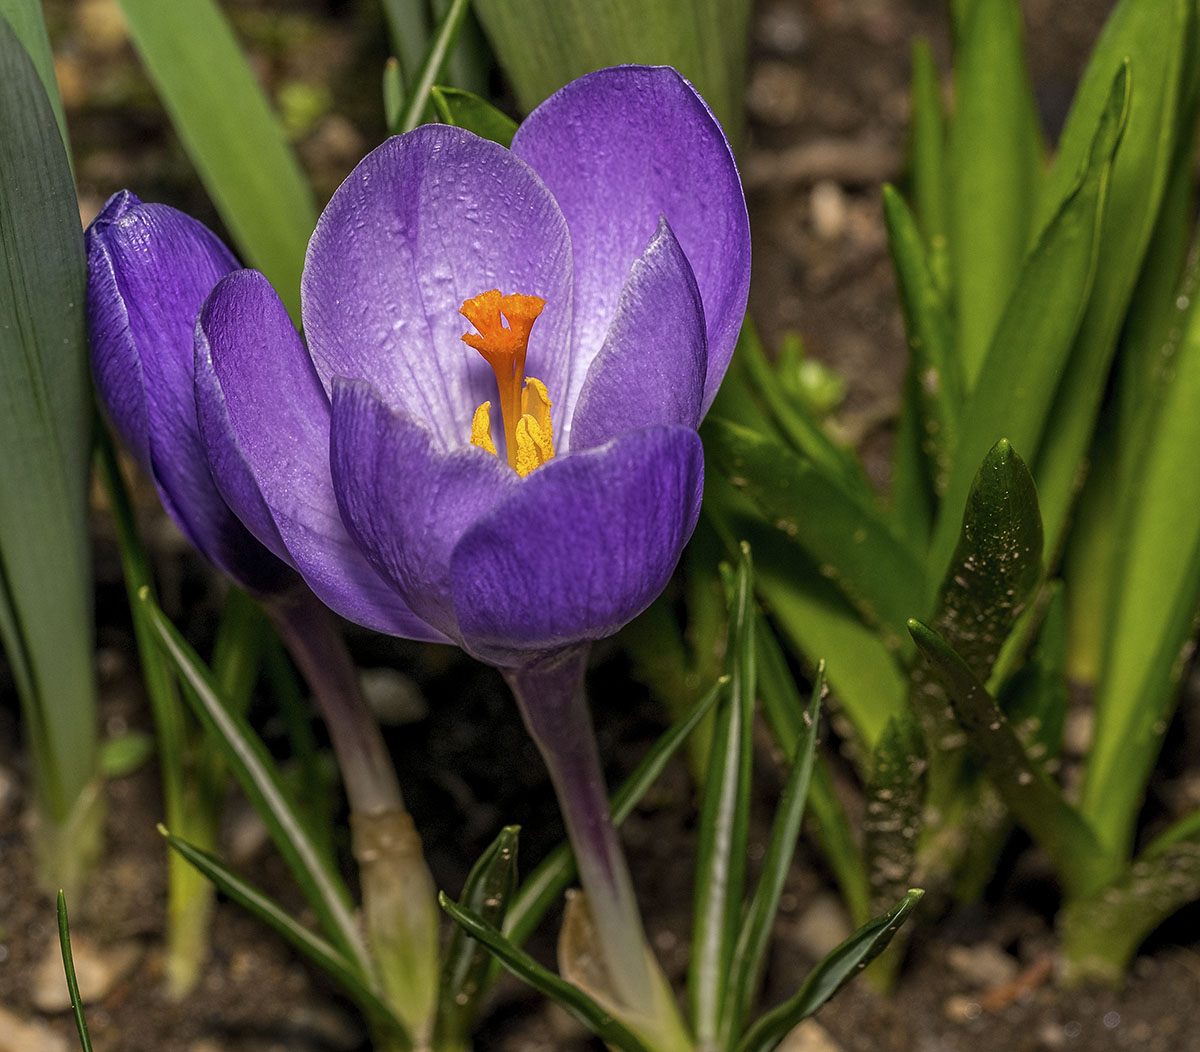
pixel 827 97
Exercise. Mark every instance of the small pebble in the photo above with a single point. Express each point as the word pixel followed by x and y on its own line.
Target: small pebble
pixel 809 1036
pixel 823 925
pixel 18 1035
pixel 98 968
pixel 984 965
pixel 827 205
pixel 394 697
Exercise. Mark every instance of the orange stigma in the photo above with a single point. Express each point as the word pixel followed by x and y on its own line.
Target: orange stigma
pixel 524 403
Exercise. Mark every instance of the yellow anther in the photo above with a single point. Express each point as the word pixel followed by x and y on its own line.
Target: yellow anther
pixel 481 428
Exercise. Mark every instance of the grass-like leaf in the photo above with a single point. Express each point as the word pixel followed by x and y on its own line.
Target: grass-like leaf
pixel 465 963
pixel 750 952
pixel 927 146
pixel 29 24
pixel 724 823
pixel 994 152
pixel 64 942
pixel 466 110
pixel 259 779
pixel 1022 783
pixel 45 431
pixel 1029 353
pixel 837 969
pixel 848 539
pixel 441 43
pixel 895 799
pixel 524 967
pixel 320 952
pixel 233 138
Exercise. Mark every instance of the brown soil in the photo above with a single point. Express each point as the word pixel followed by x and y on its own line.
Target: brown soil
pixel 828 105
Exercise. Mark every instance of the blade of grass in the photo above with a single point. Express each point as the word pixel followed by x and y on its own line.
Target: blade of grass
pixel 927 147
pixel 259 779
pixel 430 71
pixel 837 969
pixel 724 823
pixel 750 952
pixel 544 981
pixel 464 110
pixel 233 138
pixel 64 942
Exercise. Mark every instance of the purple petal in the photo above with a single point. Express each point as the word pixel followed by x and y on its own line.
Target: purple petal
pixel 149 270
pixel 618 148
pixel 265 420
pixel 405 503
pixel 580 547
pixel 426 221
pixel 652 365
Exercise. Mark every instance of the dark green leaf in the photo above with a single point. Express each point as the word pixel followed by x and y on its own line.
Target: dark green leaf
pixel 45 433
pixel 829 977
pixel 432 64
pixel 64 942
pixel 464 110
pixel 724 823
pixel 25 17
pixel 574 1000
pixel 465 963
pixel 895 799
pixel 234 140
pixel 1022 783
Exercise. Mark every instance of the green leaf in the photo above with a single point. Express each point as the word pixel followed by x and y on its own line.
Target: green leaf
pixel 813 614
pixel 432 64
pixel 927 146
pixel 464 110
pixel 1029 353
pixel 724 823
pixel 1035 698
pixel 1022 783
pixel 524 967
pixel 543 45
pixel 849 540
pixel 837 969
pixel 27 21
pixel 938 383
pixel 1156 43
pixel 64 942
pixel 1154 600
pixel 259 779
pixel 755 935
pixel 892 823
pixel 45 432
pixel 465 963
pixel 234 140
pixel 321 953
pixel 994 153
pixel 125 753
pixel 551 878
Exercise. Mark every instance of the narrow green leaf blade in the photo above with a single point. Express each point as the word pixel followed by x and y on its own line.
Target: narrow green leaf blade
pixel 27 21
pixel 895 799
pixel 544 981
pixel 994 155
pixel 259 779
pixel 1032 345
pixel 236 143
pixel 45 432
pixel 848 539
pixel 753 939
pixel 1033 798
pixel 724 823
pixel 465 963
pixel 927 146
pixel 432 64
pixel 465 110
pixel 321 953
pixel 64 942
pixel 829 977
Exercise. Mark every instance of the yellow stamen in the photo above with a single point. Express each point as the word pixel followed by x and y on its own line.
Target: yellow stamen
pixel 524 402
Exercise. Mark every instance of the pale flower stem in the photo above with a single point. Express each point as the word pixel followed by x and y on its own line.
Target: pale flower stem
pixel 313 637
pixel 550 695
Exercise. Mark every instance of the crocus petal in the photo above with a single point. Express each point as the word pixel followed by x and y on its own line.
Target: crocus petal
pixel 264 417
pixel 579 548
pixel 404 502
pixel 651 368
pixel 426 221
pixel 149 269
pixel 618 148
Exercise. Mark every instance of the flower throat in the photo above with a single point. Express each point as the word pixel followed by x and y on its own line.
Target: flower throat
pixel 524 403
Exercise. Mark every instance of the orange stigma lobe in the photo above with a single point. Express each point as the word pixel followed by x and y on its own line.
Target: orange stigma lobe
pixel 504 347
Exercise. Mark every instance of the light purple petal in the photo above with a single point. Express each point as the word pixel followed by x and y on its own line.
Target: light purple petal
pixel 618 148
pixel 150 268
pixel 426 221
pixel 652 365
pixel 580 547
pixel 265 420
pixel 405 503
